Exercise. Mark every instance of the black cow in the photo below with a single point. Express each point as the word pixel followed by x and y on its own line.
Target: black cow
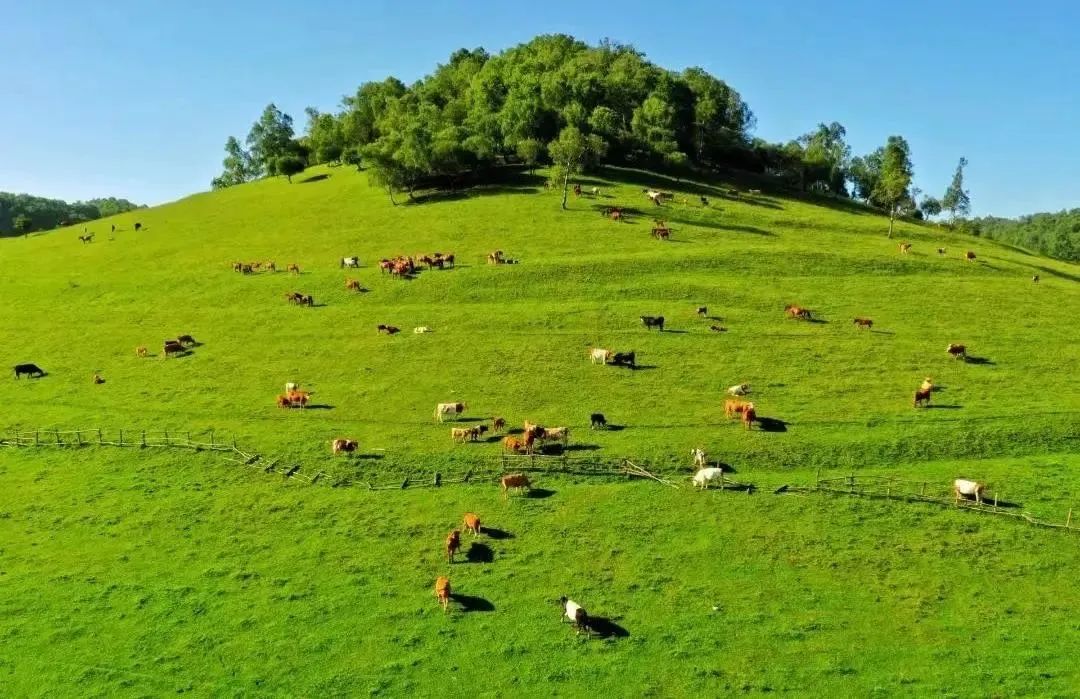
pixel 31 370
pixel 138 226
pixel 623 359
pixel 653 322
pixel 597 420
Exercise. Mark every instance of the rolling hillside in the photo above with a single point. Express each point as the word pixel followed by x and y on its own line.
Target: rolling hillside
pixel 141 573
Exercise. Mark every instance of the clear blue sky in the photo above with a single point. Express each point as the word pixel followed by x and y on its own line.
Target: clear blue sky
pixel 135 98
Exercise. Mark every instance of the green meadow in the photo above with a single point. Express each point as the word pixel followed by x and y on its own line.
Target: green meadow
pixel 144 572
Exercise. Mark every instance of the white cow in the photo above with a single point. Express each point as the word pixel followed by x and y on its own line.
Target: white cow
pixel 575 613
pixel 353 261
pixel 707 475
pixel 966 488
pixel 602 355
pixel 739 390
pixel 443 409
pixel 422 329
pixel 699 457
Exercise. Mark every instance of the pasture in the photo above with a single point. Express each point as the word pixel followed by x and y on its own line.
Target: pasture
pixel 144 573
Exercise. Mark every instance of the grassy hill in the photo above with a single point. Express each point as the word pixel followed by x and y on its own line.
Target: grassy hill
pixel 141 573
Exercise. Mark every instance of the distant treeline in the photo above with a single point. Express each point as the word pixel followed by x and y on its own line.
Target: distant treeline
pixel 1056 235
pixel 23 213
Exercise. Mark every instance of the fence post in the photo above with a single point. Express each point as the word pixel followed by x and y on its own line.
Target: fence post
pixel 851 484
pixel 78 436
pixel 166 438
pixel 58 442
pixel 37 442
pixel 211 439
pixel 817 479
pixel 17 437
pixel 121 438
pixel 922 493
pixel 144 438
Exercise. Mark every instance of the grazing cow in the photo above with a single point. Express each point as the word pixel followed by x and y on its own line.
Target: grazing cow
pixel 922 396
pixel 186 340
pixel 442 409
pixel 576 614
pixel 495 258
pixel 597 420
pixel 353 285
pixel 957 351
pixel 941 251
pixel 514 480
pixel 625 359
pixel 87 238
pixel 497 424
pixel 237 266
pixel 699 457
pixel 556 434
pixel 347 446
pixel 964 488
pixel 735 407
pixel 749 416
pixel 172 347
pixel 653 322
pixel 718 328
pixel 661 233
pixel 270 266
pixel 969 256
pixel 284 402
pixel 703 311
pixel 739 390
pixel 138 226
pixel 704 200
pixel 453 544
pixel 292 387
pixel 442 592
pixel 388 329
pixel 1035 279
pixel 863 323
pixel 353 261
pixel 799 312
pixel 472 523
pixel 616 214
pixel 577 190
pixel 653 196
pixel 98 380
pixel 532 428
pixel 140 351
pixel 705 476
pixel 460 434
pixel 293 268
pixel 905 248
pixel 421 330
pixel 294 399
pixel 513 444
pixel 246 269
pixel 602 356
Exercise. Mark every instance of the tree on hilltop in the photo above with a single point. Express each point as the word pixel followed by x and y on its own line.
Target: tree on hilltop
pixel 570 152
pixel 270 138
pixel 957 200
pixel 891 189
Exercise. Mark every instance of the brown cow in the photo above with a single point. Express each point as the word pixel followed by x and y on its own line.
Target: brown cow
pixel 172 347
pixel 922 396
pixel 442 592
pixel 353 285
pixel 453 545
pixel 799 312
pixel 905 248
pixel 735 407
pixel 864 323
pixel 957 351
pixel 293 268
pixel 140 351
pixel 661 233
pixel 472 523
pixel 284 402
pixel 98 380
pixel 749 416
pixel 497 424
pixel 969 256
pixel 514 480
pixel 343 445
pixel 513 444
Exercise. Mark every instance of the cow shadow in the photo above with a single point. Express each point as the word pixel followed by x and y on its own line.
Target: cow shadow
pixel 515 430
pixel 496 534
pixel 493 439
pixel 643 367
pixel 581 447
pixel 817 321
pixel 479 553
pixel 471 419
pixel 315 178
pixel 319 406
pixel 471 603
pixel 772 424
pixel 539 493
pixel 674 332
pixel 370 457
pixel 939 406
pixel 606 628
pixel 978 361
pixel 883 332
pixel 317 305
pixel 989 501
pixel 612 427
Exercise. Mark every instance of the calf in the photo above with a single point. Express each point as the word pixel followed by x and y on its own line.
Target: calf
pixel 514 480
pixel 293 268
pixel 347 446
pixel 597 420
pixel 442 592
pixel 461 434
pixel 705 476
pixel 353 285
pixel 138 226
pixel 186 340
pixel 704 200
pixel 863 323
pixel 98 380
pixel 141 351
pixel 388 329
pixel 1035 279
pixel 703 311
pixel 498 424
pixel 625 359
pixel 453 545
pixel 172 347
pixel 513 444
pixel 472 523
pixel 653 322
pixel 941 251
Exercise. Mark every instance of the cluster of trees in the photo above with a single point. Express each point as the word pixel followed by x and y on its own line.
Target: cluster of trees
pixel 1053 234
pixel 23 213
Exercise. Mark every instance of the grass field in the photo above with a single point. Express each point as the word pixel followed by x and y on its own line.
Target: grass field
pixel 139 573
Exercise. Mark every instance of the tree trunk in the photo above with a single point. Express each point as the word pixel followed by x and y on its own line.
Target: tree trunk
pixel 565 185
pixel 892 217
pixel 390 191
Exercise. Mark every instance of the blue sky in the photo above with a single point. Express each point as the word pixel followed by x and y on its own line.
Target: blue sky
pixel 135 98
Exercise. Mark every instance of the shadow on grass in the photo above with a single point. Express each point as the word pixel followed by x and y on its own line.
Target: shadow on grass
pixel 939 406
pixel 319 406
pixel 479 553
pixel 611 427
pixel 370 457
pixel 772 424
pixel 817 321
pixel 978 361
pixel 471 603
pixel 883 332
pixel 674 332
pixel 315 178
pixel 515 430
pixel 582 447
pixel 539 493
pixel 496 534
pixel 606 628
pixel 643 367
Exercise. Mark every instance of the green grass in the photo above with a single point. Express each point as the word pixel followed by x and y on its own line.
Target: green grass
pixel 144 573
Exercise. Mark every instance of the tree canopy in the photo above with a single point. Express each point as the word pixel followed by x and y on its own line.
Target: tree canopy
pixel 1053 234
pixel 956 199
pixel 38 213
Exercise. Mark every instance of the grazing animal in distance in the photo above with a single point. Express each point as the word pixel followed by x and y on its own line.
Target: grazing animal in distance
pixel 905 248
pixel 957 351
pixel 292 387
pixel 661 233
pixel 353 261
pixel 443 409
pixel 472 523
pixel 703 311
pixel 497 424
pixel 749 416
pixel 798 312
pixel 347 446
pixel 597 420
pixel 496 258
pixel 705 476
pixel 863 323
pixel 1035 279
pixel 388 329
pixel 941 251
pixel 602 355
pixel 87 238
pixel 453 545
pixel 140 351
pixel 98 380
pixel 442 592
pixel 653 322
pixel 172 347
pixel 138 226
pixel 353 285
pixel 293 268
pixel 595 191
pixel 964 488
pixel 284 402
pixel 555 434
pixel 625 359
pixel 922 396
pixel 739 390
pixel 514 480
pixel 699 457
pixel 513 444
pixel 461 434
pixel 969 256
pixel 704 200
pixel 718 329
pixel 186 340
pixel 734 407
pixel 575 613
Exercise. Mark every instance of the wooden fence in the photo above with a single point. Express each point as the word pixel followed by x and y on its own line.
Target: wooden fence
pixel 114 438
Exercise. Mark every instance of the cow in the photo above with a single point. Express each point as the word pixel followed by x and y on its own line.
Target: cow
pixel 863 323
pixel 625 359
pixel 602 355
pixel 739 389
pixel 532 428
pixel 246 269
pixel 556 434
pixel 461 434
pixel 353 261
pixel 141 351
pixel 353 285
pixel 237 266
pixel 653 322
pixel 442 409
pixel 186 340
pixel 905 248
pixel 799 312
pixel 87 238
pixel 661 233
pixel 653 195
pixel 957 351
pixel 705 476
pixel 295 399
pixel 749 416
pixel 597 420
pixel 388 329
pixel 703 311
pixel 472 523
pixel 421 330
pixel 699 457
pixel 284 402
pixel 969 256
pixel 442 592
pixel 496 258
pixel 577 190
pixel 453 545
pixel 1035 279
pixel 497 424
pixel 98 380
pixel 941 251
pixel 575 613
pixel 616 214
pixel 172 347
pixel 138 226
pixel 922 396
pixel 339 446
pixel 514 480
pixel 718 328
pixel 927 384
pixel 735 407
pixel 964 488
pixel 293 268
pixel 513 444
pixel 704 200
